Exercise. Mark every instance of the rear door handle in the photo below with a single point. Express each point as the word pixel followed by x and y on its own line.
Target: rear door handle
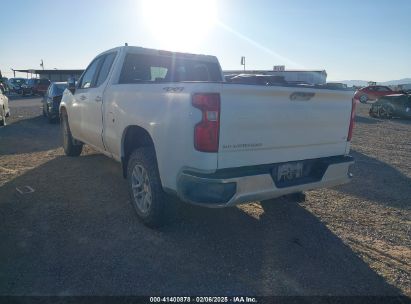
pixel 98 99
pixel 83 97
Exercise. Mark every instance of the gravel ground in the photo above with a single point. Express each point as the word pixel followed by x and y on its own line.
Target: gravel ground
pixel 77 234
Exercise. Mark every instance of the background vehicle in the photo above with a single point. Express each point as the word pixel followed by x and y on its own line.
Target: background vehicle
pixel 398 105
pixel 15 85
pixel 178 128
pixel 51 100
pixel 372 93
pixel 35 86
pixel 41 86
pixel 4 108
pixel 28 88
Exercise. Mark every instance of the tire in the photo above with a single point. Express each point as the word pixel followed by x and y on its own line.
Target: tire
pixel 44 112
pixel 70 148
pixel 363 98
pixel 145 190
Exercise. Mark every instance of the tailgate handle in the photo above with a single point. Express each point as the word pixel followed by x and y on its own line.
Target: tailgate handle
pixel 304 96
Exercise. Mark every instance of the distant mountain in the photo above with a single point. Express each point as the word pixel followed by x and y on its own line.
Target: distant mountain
pixel 363 83
pixel 396 82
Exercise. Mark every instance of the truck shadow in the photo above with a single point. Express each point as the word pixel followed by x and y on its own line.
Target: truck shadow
pixel 17 137
pixel 372 179
pixel 77 234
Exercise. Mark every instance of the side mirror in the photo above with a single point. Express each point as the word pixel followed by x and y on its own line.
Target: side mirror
pixel 71 84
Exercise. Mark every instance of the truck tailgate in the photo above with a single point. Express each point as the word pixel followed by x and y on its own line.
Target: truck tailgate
pixel 263 125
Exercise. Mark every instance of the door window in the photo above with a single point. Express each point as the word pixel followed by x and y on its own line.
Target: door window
pixel 88 79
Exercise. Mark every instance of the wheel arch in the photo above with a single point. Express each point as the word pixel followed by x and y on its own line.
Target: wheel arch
pixel 134 137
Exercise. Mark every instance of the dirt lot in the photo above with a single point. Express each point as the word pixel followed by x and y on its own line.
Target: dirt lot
pixel 77 234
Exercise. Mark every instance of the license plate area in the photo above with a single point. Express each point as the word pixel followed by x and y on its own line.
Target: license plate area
pixel 297 173
pixel 289 171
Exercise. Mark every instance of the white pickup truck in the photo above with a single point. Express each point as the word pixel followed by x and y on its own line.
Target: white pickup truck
pixel 178 128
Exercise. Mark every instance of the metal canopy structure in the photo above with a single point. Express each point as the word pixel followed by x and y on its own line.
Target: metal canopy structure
pixel 52 75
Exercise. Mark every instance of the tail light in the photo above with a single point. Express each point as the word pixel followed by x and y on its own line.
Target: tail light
pixel 350 130
pixel 206 132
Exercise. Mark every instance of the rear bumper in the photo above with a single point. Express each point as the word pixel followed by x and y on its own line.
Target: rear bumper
pixel 241 185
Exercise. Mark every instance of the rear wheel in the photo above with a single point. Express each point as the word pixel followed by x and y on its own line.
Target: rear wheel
pixel 70 147
pixel 145 190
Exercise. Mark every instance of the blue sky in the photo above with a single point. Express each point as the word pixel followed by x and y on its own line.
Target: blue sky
pixel 365 39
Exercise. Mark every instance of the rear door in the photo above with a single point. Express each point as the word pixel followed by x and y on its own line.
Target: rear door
pixel 264 125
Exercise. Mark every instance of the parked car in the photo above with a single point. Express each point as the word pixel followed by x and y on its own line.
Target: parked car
pixel 40 88
pixel 372 93
pixel 15 84
pixel 256 79
pixel 177 128
pixel 398 105
pixel 4 107
pixel 335 85
pixel 35 86
pixel 27 87
pixel 51 100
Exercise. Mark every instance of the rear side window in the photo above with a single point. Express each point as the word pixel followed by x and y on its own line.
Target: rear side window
pixel 105 68
pixel 140 68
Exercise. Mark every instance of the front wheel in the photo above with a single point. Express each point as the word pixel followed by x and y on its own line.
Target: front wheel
pixel 145 190
pixel 70 147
